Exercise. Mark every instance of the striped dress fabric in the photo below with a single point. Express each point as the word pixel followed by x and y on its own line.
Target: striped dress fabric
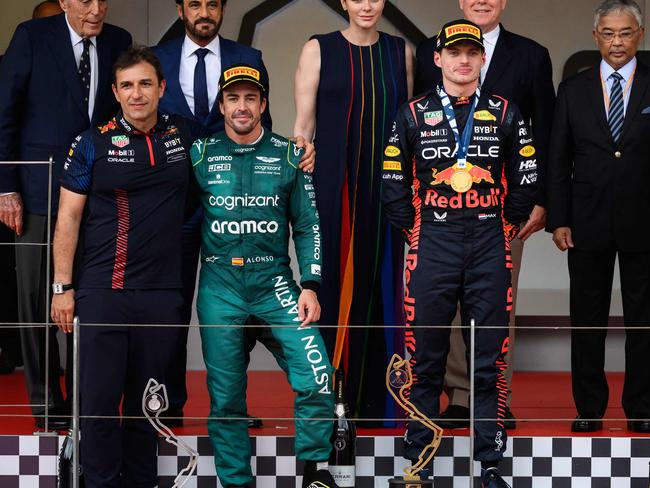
pixel 359 92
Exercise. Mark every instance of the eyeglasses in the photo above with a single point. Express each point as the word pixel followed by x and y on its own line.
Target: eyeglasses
pixel 625 36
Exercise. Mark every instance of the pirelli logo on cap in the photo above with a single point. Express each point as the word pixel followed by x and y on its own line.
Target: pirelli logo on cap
pixel 392 166
pixel 239 71
pixel 462 29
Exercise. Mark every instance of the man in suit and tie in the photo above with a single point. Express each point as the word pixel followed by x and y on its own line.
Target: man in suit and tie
pixel 55 81
pixel 598 169
pixel 520 70
pixel 193 63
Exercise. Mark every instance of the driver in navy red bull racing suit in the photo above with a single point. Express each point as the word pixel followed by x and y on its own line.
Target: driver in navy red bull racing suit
pixel 459 246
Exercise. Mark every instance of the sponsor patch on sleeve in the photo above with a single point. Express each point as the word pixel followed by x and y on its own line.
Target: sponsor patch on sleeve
pixel 392 166
pixel 527 151
pixel 392 151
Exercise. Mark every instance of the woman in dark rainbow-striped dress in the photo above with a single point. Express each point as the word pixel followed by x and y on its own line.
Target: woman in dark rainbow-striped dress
pixel 348 87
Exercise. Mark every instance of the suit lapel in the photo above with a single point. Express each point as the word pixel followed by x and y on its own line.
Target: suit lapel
pixel 104 69
pixel 637 92
pixel 501 59
pixel 595 91
pixel 174 90
pixel 226 62
pixel 63 55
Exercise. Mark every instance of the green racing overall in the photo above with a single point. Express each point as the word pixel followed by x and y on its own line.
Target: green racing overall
pixel 253 196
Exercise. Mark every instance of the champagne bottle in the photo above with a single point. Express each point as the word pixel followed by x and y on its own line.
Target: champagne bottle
pixel 344 439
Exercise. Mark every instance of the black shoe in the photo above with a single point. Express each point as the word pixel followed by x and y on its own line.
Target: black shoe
pixel 509 421
pixel 54 423
pixel 254 422
pixel 316 478
pixel 581 424
pixel 490 478
pixel 173 417
pixel 59 418
pixel 641 426
pixel 455 417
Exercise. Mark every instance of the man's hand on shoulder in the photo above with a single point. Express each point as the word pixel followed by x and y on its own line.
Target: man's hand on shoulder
pixel 535 222
pixel 308 307
pixel 308 160
pixel 11 212
pixel 562 238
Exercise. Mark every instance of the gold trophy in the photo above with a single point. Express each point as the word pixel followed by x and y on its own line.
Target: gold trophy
pixel 398 381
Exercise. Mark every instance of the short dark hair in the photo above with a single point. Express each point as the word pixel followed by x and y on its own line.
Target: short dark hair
pixel 38 7
pixel 223 2
pixel 138 54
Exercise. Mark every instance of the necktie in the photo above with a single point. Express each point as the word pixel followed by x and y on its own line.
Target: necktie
pixel 84 71
pixel 201 106
pixel 616 116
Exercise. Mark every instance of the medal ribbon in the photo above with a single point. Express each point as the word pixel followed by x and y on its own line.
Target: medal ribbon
pixel 462 142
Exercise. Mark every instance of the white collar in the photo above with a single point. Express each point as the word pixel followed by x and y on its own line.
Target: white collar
pixel 493 35
pixel 76 38
pixel 190 47
pixel 626 71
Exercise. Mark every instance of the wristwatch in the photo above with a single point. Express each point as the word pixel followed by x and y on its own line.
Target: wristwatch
pixel 59 288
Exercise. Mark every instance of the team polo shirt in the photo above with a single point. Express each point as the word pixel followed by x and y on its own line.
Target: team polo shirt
pixel 136 185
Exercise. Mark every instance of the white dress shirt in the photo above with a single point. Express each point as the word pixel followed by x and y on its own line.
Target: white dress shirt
pixel 627 72
pixel 212 70
pixel 78 48
pixel 489 41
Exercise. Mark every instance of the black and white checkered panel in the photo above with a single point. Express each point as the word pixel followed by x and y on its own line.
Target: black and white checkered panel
pixel 28 461
pixel 530 462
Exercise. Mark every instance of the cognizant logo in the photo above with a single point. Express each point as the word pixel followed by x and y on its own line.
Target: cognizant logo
pixel 246 200
pixel 245 227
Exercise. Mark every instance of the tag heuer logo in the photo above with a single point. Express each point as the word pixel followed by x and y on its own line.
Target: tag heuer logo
pixel 120 141
pixel 433 118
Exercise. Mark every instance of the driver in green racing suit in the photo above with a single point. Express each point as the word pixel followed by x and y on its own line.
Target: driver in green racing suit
pixel 253 195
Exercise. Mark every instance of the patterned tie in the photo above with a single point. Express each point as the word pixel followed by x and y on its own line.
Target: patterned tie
pixel 201 105
pixel 616 116
pixel 84 71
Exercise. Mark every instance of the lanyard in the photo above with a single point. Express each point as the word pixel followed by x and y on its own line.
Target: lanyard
pixel 462 142
pixel 628 85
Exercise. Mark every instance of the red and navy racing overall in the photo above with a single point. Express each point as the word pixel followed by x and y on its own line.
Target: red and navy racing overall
pixel 459 174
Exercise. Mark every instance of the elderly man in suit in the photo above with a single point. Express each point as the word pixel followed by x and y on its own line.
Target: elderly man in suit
pixel 10 355
pixel 519 69
pixel 599 165
pixel 55 81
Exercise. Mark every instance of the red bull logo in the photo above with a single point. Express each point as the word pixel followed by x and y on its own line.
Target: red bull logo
pixel 469 199
pixel 477 174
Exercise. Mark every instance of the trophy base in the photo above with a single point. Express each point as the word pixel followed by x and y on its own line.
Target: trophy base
pixel 402 483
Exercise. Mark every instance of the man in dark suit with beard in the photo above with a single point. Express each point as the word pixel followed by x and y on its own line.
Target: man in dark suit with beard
pixel 55 81
pixel 520 70
pixel 598 169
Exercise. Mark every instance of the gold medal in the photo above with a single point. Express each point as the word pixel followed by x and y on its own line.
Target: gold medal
pixel 461 181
